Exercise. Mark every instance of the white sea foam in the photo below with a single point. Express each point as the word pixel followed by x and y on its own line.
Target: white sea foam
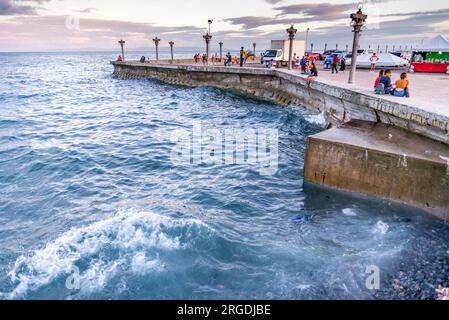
pixel 318 119
pixel 107 246
pixel 381 227
pixel 349 212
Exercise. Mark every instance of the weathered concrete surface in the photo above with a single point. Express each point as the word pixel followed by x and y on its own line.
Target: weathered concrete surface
pixel 382 161
pixel 342 104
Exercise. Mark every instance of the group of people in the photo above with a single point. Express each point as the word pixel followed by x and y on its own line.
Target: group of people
pixel 384 84
pixel 336 61
pixel 229 60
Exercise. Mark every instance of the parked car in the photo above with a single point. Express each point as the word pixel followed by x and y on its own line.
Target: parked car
pixel 348 58
pixel 313 56
pixel 328 52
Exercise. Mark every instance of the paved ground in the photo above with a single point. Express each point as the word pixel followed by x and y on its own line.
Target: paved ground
pixel 428 91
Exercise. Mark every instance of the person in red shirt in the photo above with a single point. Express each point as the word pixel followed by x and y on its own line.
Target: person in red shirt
pixel 335 64
pixel 119 59
pixel 381 74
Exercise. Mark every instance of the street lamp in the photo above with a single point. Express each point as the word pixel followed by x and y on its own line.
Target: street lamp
pixel 347 49
pixel 291 36
pixel 210 23
pixel 307 40
pixel 358 20
pixel 325 47
pixel 156 42
pixel 171 43
pixel 122 43
pixel 336 47
pixel 254 50
pixel 221 50
pixel 311 47
pixel 207 37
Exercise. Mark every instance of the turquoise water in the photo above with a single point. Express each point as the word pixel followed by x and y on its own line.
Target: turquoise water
pixel 88 184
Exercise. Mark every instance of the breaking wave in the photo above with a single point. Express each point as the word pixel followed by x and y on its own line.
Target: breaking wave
pixel 130 241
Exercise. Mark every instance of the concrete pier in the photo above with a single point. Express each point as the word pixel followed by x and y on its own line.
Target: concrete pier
pixel 382 161
pixel 379 146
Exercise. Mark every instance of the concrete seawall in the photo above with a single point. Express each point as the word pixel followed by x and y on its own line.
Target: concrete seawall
pixel 341 104
pixel 407 146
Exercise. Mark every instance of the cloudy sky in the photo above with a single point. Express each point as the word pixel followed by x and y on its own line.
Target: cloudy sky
pixel 48 25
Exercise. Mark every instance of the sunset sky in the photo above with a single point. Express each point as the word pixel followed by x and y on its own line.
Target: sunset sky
pixel 48 25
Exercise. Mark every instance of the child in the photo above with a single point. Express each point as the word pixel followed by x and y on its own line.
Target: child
pixel 386 82
pixel 402 89
pixel 379 89
pixel 307 68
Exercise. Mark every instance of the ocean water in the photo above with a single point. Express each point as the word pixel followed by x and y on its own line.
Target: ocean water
pixel 92 205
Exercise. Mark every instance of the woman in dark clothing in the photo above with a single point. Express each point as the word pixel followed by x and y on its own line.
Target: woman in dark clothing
pixel 343 64
pixel 313 75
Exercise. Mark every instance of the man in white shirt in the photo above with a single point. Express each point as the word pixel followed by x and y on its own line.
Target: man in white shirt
pixel 374 60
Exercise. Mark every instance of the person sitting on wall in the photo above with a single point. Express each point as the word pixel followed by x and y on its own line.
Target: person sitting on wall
pixel 386 82
pixel 378 87
pixel 313 75
pixel 402 89
pixel 119 59
pixel 307 68
pixel 142 59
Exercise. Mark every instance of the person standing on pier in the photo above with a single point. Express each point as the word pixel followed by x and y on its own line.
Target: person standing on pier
pixel 343 64
pixel 228 61
pixel 374 60
pixel 242 56
pixel 335 64
pixel 293 62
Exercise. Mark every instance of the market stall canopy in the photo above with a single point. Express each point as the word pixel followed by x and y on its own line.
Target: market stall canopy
pixel 385 60
pixel 439 43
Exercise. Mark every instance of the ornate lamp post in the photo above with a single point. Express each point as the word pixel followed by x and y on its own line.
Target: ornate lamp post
pixel 122 43
pixel 156 42
pixel 221 50
pixel 311 47
pixel 171 43
pixel 291 36
pixel 254 50
pixel 347 49
pixel 325 47
pixel 207 37
pixel 336 46
pixel 358 20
